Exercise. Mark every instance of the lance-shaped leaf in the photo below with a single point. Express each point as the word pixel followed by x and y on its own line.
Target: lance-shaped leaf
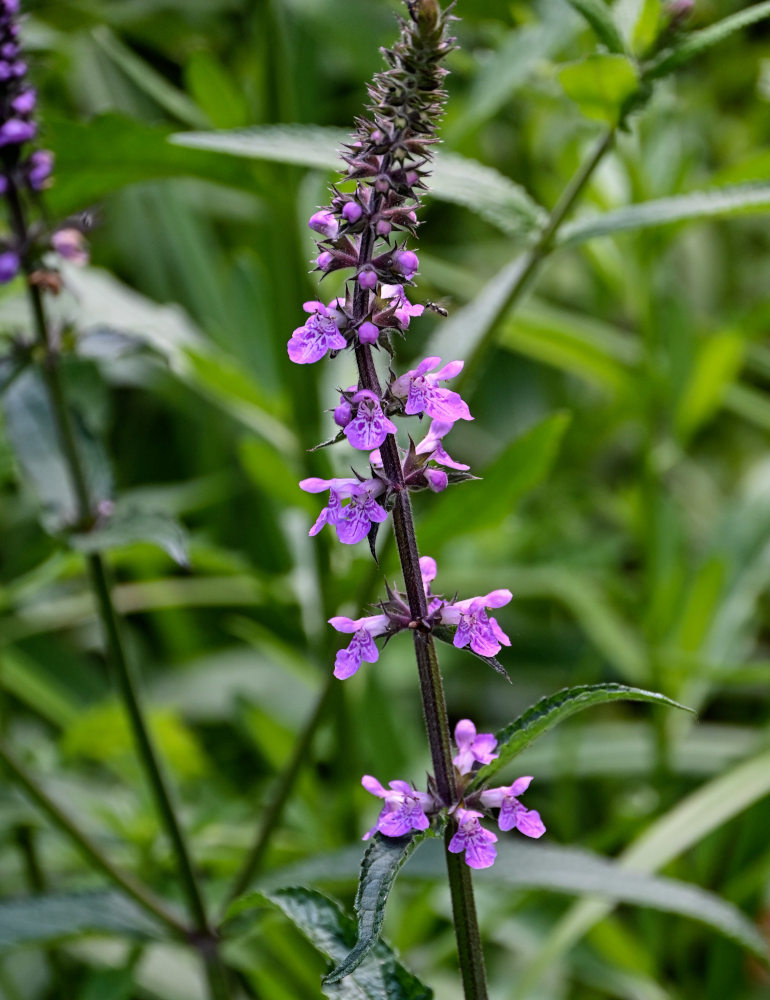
pixel 599 16
pixel 555 708
pixel 699 41
pixel 321 920
pixel 128 524
pixel 381 863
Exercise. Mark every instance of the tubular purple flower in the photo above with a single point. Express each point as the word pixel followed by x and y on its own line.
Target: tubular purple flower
pixel 404 808
pixel 431 445
pixel 474 626
pixel 472 838
pixel 472 747
pixel 513 815
pixel 370 426
pixel 404 309
pixel 353 521
pixel 39 168
pixel 424 395
pixel 24 103
pixel 362 647
pixel 324 222
pixel 319 335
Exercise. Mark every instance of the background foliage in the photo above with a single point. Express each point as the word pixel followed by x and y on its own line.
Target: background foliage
pixel 621 430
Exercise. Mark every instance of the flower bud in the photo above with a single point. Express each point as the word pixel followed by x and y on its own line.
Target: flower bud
pixel 405 262
pixel 325 223
pixel 9 266
pixel 325 260
pixel 352 212
pixel 367 277
pixel 343 414
pixel 368 333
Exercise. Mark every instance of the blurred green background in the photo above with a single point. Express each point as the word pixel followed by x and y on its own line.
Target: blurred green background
pixel 622 424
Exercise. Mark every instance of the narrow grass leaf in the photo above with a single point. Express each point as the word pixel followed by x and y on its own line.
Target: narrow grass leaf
pixel 599 16
pixel 555 708
pixel 600 85
pixel 381 863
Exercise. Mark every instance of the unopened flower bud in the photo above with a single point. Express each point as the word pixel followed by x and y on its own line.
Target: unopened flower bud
pixel 368 333
pixel 352 212
pixel 325 260
pixel 367 277
pixel 15 131
pixel 405 262
pixel 437 479
pixel 39 168
pixel 24 103
pixel 343 414
pixel 383 227
pixel 325 223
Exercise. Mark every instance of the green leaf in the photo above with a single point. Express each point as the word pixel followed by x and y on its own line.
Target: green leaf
pixel 555 708
pixel 699 41
pixel 321 920
pixel 647 26
pixel 215 91
pixel 716 365
pixel 600 85
pixel 128 524
pixel 599 16
pixel 446 633
pixel 714 204
pixel 58 916
pixel 34 437
pixel 455 179
pixel 526 462
pixel 381 863
pixel 708 808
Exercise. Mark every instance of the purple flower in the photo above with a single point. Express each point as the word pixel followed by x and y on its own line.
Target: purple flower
pixel 325 260
pixel 431 445
pixel 320 334
pixel 406 262
pixel 367 277
pixel 472 746
pixel 404 308
pixel 15 131
pixel 436 479
pixel 353 521
pixel 362 646
pixel 513 815
pixel 404 808
pixel 343 413
pixel 472 838
pixel 70 244
pixel 9 266
pixel 39 168
pixel 24 103
pixel 370 426
pixel 428 573
pixel 424 395
pixel 325 223
pixel 474 627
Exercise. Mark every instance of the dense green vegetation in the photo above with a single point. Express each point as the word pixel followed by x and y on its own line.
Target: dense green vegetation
pixel 621 433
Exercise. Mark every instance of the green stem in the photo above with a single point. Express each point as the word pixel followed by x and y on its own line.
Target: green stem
pixel 26 842
pixel 531 261
pixel 105 606
pixel 136 890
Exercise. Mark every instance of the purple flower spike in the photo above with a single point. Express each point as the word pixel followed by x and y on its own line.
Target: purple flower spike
pixel 474 626
pixel 370 427
pixel 368 333
pixel 472 838
pixel 472 746
pixel 325 223
pixel 431 445
pixel 406 262
pixel 513 815
pixel 9 266
pixel 362 647
pixel 404 308
pixel 424 395
pixel 404 808
pixel 319 335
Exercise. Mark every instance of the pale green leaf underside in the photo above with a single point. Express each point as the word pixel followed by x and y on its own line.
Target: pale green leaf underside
pixel 52 917
pixel 381 863
pixel 455 178
pixel 321 920
pixel 555 708
pixel 711 204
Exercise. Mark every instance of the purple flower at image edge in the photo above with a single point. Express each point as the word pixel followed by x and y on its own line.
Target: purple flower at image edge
pixel 513 815
pixel 362 647
pixel 472 838
pixel 472 747
pixel 404 808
